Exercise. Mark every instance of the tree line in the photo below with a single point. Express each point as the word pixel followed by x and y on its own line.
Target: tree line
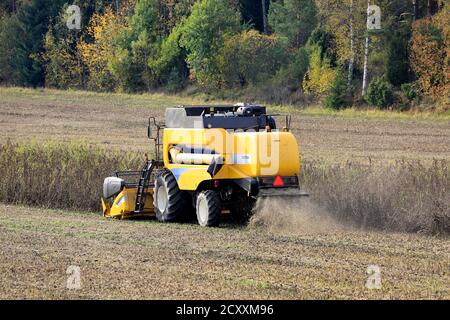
pixel 296 51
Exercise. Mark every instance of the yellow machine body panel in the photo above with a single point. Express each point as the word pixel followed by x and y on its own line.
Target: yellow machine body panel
pixel 245 154
pixel 124 204
pixel 213 159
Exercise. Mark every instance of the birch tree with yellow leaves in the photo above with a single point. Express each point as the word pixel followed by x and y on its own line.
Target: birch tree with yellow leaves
pixel 104 31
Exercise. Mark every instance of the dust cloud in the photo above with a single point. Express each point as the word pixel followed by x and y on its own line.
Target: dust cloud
pixel 292 216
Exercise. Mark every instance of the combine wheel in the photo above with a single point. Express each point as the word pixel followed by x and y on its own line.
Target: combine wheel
pixel 208 208
pixel 169 201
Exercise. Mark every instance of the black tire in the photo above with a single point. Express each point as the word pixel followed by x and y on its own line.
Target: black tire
pixel 208 208
pixel 169 201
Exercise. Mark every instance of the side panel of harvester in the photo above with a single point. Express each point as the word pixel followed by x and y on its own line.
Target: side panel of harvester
pixel 243 154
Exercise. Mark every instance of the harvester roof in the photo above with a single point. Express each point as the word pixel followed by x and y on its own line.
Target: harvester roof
pixel 241 116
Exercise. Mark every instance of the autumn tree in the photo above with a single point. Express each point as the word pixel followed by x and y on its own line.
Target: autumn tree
pixel 140 61
pixel 203 35
pixel 320 75
pixel 346 20
pixel 63 64
pixel 250 57
pixel 430 54
pixel 104 30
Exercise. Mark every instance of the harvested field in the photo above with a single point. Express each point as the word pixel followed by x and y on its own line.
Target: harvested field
pixel 144 259
pixel 314 252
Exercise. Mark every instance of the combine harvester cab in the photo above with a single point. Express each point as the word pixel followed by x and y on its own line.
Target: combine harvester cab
pixel 212 159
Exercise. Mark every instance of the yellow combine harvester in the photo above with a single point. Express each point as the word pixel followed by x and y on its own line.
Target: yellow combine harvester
pixel 212 159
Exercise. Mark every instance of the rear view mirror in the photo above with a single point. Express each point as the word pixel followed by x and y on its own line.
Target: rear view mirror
pixel 152 128
pixel 149 132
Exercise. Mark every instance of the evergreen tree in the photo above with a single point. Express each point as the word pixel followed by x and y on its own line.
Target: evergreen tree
pixel 252 13
pixel 32 25
pixel 293 19
pixel 337 94
pixel 7 7
pixel 397 66
pixel 8 26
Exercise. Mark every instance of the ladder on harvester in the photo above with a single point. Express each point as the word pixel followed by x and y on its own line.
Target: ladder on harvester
pixel 143 185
